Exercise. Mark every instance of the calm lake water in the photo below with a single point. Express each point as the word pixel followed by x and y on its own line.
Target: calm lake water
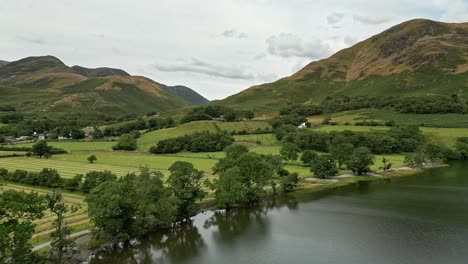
pixel 418 219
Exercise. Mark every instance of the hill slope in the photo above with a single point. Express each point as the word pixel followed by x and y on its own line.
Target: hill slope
pixel 417 57
pixel 183 92
pixel 3 63
pixel 36 85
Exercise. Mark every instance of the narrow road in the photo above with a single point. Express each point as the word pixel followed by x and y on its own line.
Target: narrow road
pixel 77 234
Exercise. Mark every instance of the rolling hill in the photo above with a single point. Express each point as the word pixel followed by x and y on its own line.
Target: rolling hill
pixel 37 85
pixel 418 57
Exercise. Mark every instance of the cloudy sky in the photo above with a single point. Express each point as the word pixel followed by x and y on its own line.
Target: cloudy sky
pixel 217 47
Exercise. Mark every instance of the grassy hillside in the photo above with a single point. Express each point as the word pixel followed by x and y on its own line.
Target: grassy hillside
pixel 46 86
pixel 418 57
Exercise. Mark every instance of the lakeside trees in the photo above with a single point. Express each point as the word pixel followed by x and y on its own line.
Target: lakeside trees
pixel 18 210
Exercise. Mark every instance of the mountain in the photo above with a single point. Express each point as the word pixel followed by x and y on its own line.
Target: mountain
pixel 98 72
pixel 3 63
pixel 183 92
pixel 37 85
pixel 418 57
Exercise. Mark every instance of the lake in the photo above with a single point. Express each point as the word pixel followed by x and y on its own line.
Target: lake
pixel 416 219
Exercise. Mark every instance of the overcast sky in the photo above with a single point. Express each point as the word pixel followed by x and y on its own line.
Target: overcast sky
pixel 217 47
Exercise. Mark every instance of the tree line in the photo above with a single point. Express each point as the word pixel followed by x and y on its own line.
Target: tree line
pixel 216 111
pixel 433 104
pixel 197 142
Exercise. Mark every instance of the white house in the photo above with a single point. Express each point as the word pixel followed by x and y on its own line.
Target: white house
pixel 301 126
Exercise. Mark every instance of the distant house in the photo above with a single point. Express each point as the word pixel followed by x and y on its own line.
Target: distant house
pixel 88 131
pixel 10 139
pixel 62 138
pixel 301 126
pixel 41 137
pixel 21 138
pixel 219 119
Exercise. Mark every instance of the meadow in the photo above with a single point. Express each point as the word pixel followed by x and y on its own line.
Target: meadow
pixel 382 115
pixel 76 220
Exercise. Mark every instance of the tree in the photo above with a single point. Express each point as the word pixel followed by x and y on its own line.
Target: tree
pixel 94 178
pixel 92 159
pixel 185 184
pixel 360 161
pixel 131 206
pixel 308 156
pixel 341 152
pixel 249 115
pixel 433 153
pixel 289 182
pixel 324 166
pixel 386 165
pixel 289 151
pixel 18 210
pixel 61 245
pixel 249 170
pixel 126 142
pixel 229 190
pixel 230 116
pixel 461 145
pixel 416 159
pixel 41 149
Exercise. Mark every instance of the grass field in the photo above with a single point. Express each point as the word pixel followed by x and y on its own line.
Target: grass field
pixel 263 139
pixel 76 145
pixel 11 152
pixel 44 225
pixel 65 167
pixel 382 115
pixel 151 138
pixel 444 135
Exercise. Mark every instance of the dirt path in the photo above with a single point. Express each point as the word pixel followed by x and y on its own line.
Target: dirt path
pixel 77 234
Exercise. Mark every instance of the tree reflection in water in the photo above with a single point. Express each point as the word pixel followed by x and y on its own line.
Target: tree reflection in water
pixel 253 220
pixel 184 243
pixel 171 246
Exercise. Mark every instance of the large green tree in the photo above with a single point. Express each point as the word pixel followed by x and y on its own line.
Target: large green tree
pixel 324 166
pixel 131 206
pixel 290 151
pixel 185 184
pixel 341 152
pixel 41 149
pixel 250 170
pixel 360 161
pixel 126 142
pixel 308 156
pixel 18 210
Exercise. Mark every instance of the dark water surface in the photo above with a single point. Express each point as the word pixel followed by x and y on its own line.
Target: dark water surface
pixel 418 219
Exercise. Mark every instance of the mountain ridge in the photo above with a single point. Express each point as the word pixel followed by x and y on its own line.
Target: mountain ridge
pixel 416 57
pixel 44 84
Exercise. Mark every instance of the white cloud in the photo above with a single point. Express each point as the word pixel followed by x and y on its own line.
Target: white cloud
pixel 370 20
pixel 290 45
pixel 162 31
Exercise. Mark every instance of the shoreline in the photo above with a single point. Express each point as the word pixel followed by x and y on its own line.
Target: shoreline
pixel 306 186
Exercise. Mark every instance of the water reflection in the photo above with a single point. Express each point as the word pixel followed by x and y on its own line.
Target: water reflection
pixel 173 246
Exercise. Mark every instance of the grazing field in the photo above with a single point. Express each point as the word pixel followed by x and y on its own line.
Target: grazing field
pixel 66 168
pixel 11 152
pixel 77 145
pixel 381 115
pixel 249 126
pixel 44 226
pixel 263 139
pixel 444 135
pixel 151 138
pixel 134 160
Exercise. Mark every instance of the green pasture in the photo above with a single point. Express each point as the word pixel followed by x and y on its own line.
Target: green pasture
pixel 263 139
pixel 382 115
pixel 76 145
pixel 65 165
